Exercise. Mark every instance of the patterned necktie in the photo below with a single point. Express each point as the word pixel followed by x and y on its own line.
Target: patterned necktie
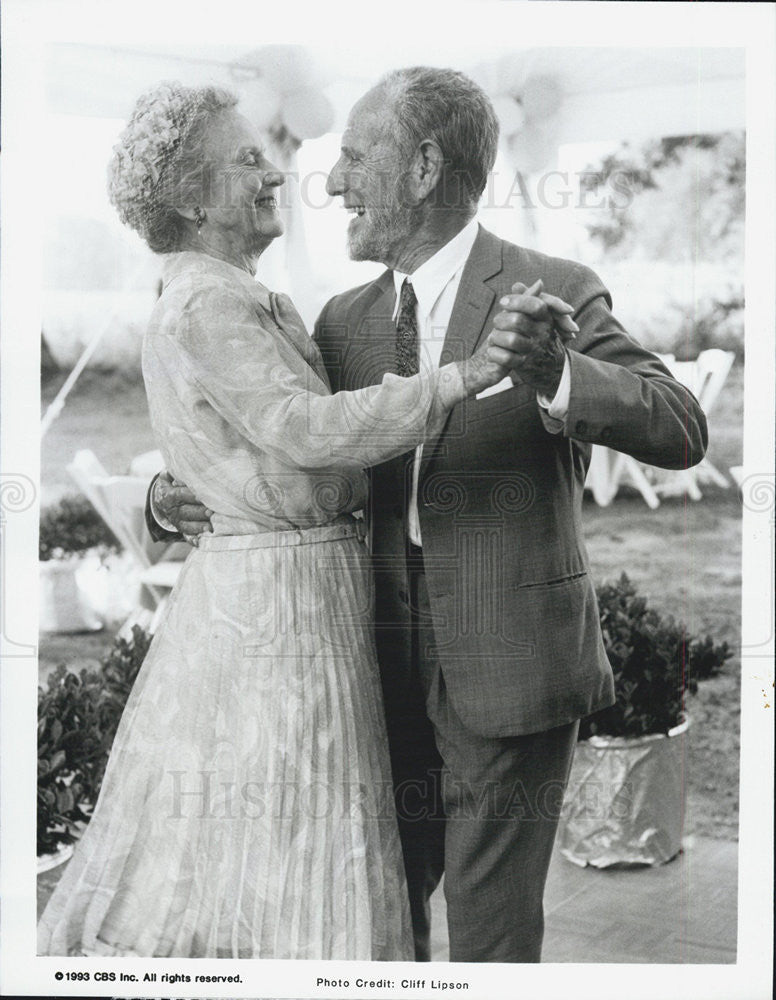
pixel 407 354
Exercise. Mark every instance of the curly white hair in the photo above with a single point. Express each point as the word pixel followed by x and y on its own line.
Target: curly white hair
pixel 148 168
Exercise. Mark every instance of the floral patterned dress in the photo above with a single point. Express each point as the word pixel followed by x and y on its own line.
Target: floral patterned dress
pixel 247 809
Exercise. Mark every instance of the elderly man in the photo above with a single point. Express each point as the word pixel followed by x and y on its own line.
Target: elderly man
pixel 487 627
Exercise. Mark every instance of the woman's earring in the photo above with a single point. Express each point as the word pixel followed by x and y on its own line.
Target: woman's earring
pixel 199 215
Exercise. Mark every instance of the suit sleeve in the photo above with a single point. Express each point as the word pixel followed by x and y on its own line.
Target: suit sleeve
pixel 621 395
pixel 155 530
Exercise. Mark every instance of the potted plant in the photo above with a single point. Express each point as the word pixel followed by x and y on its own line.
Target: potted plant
pixel 625 799
pixel 68 530
pixel 78 715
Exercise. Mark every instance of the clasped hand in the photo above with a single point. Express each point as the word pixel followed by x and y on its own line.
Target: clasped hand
pixel 529 336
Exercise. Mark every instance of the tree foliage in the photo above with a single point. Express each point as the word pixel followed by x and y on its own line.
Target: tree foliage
pixel 678 198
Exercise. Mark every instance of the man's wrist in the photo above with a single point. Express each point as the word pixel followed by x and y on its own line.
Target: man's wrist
pixel 451 384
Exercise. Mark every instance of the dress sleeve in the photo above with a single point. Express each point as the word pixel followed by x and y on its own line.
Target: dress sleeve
pixel 257 380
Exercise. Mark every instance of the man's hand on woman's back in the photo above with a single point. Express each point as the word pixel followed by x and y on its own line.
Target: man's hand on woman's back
pixel 176 503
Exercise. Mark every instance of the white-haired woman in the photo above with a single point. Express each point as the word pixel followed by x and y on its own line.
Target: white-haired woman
pixel 246 809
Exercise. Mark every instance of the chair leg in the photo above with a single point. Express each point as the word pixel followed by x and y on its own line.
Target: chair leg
pixel 157 615
pixel 691 484
pixel 150 596
pixel 641 482
pixel 708 472
pixel 599 480
pixel 140 616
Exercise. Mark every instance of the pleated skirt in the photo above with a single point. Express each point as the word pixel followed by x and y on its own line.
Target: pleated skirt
pixel 247 807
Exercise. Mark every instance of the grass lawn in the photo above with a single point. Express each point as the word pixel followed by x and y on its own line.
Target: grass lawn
pixel 105 412
pixel 684 557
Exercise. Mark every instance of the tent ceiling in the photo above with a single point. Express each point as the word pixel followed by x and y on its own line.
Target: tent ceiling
pixel 607 92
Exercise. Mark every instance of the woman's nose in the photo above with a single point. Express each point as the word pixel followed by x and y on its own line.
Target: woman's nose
pixel 273 178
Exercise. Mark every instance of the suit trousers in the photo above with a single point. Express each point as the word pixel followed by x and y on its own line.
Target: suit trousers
pixel 415 760
pixel 485 810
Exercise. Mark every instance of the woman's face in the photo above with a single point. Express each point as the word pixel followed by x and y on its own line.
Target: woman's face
pixel 239 185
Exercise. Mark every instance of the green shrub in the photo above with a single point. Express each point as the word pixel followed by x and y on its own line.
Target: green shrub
pixel 655 663
pixel 77 720
pixel 73 526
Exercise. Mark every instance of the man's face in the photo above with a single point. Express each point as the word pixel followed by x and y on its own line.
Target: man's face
pixel 370 177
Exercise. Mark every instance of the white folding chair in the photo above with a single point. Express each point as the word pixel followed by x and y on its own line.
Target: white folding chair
pixel 147 464
pixel 599 475
pixel 704 377
pixel 120 502
pixel 608 469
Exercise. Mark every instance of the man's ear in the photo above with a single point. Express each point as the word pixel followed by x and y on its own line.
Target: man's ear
pixel 429 163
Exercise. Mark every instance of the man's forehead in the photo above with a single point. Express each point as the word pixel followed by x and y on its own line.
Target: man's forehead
pixel 370 115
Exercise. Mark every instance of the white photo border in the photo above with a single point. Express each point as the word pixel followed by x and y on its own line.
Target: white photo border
pixel 29 178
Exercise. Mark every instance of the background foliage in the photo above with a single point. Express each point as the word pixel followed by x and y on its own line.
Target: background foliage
pixel 72 526
pixel 655 663
pixel 78 715
pixel 678 201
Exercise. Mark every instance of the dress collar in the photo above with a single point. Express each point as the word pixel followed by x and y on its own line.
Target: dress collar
pixel 190 262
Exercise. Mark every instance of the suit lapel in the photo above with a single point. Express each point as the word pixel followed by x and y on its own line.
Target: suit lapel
pixel 474 299
pixel 382 295
pixel 472 307
pixel 371 349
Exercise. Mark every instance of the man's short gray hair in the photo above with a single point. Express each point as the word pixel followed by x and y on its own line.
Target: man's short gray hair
pixel 448 107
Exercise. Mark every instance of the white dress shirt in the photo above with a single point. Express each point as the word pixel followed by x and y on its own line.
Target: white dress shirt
pixel 436 285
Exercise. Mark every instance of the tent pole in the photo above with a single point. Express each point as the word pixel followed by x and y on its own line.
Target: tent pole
pixel 57 404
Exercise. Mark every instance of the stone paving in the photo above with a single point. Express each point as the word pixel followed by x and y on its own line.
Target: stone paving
pixel 684 912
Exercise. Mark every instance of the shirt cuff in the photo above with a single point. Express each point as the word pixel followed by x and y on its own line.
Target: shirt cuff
pixel 160 519
pixel 558 406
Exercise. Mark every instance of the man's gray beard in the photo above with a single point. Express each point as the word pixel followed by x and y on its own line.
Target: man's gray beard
pixel 386 230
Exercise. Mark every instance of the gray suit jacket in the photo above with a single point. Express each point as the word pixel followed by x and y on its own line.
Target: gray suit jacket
pixel 514 609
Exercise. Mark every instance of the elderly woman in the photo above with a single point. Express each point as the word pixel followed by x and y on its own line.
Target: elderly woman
pixel 246 809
